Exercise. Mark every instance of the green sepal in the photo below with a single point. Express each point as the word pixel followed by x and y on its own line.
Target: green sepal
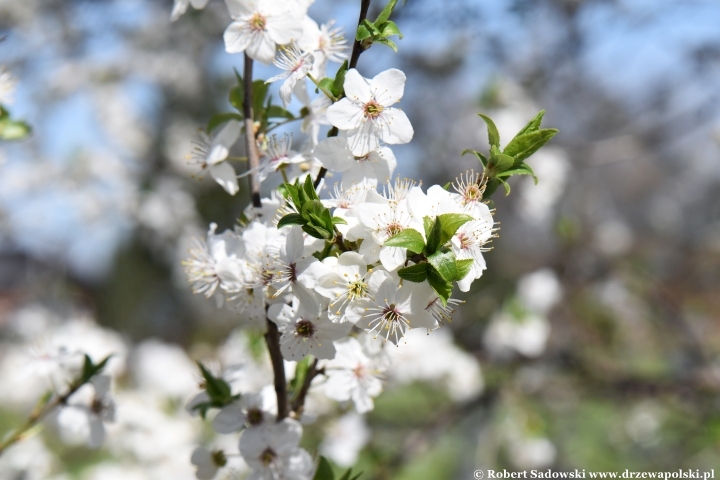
pixel 493 134
pixel 408 238
pixel 414 273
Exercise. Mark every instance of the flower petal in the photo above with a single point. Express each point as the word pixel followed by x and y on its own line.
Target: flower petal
pixel 387 87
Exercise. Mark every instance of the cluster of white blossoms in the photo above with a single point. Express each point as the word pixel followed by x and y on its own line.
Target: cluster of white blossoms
pixel 337 275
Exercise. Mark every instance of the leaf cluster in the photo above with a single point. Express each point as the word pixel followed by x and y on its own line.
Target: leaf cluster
pixel 380 30
pixel 265 113
pixel 12 129
pixel 217 389
pixel 434 260
pixel 309 211
pixel 500 165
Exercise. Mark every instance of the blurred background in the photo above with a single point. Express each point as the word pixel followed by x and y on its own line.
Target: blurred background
pixel 593 339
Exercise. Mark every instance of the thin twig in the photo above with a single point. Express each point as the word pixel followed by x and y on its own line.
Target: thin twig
pixel 299 402
pixel 250 144
pixel 272 339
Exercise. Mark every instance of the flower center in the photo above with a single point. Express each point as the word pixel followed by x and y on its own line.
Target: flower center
pixel 359 371
pixel 267 456
pixel 465 241
pixel 357 289
pixel 390 315
pixel 393 229
pixel 218 458
pixel 254 416
pixel 365 157
pixel 473 193
pixel 305 329
pixel 97 406
pixel 373 109
pixel 257 23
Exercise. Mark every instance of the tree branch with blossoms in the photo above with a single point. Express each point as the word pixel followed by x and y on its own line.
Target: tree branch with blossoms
pixel 331 276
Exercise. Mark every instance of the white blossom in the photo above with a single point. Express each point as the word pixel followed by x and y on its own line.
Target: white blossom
pixel 352 375
pixel 181 6
pixel 83 416
pixel 211 152
pixel 296 65
pixel 271 450
pixel 366 113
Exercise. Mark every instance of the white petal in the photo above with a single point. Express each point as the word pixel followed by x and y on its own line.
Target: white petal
pixel 225 175
pixel 227 136
pixel 357 88
pixel 236 39
pixel 345 115
pixel 392 258
pixel 334 154
pixel 351 266
pixel 261 48
pixel 284 28
pixel 396 128
pixel 388 86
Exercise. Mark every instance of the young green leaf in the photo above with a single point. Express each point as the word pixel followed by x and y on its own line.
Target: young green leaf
pixel 533 124
pixel 386 12
pixel 389 29
pixel 339 82
pixel 493 134
pixel 217 388
pixel 291 219
pixel 276 111
pixel 444 264
pixel 463 267
pixel 434 238
pixel 14 129
pixel 450 222
pixel 362 33
pixel 522 146
pixel 501 162
pixel 387 42
pixel 324 470
pixel 441 286
pixel 310 189
pixel 414 273
pixel 428 224
pixel 339 221
pixel 408 238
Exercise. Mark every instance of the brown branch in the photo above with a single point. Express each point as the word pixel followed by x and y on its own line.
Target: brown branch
pixel 250 144
pixel 272 339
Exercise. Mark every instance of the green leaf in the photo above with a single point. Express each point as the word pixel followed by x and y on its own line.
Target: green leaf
pixel 236 97
pixel 310 189
pixel 276 111
pixel 493 134
pixel 450 222
pixel 434 238
pixel 301 370
pixel 428 224
pixel 314 207
pixel 386 12
pixel 348 473
pixel 408 238
pixel 293 192
pixel 389 43
pixel 14 129
pixel 259 92
pixel 533 124
pixel 522 146
pixel 444 264
pixel 523 169
pixel 339 221
pixel 217 388
pixel 501 162
pixel 324 470
pixel 441 286
pixel 362 33
pixel 291 219
pixel 389 29
pixel 326 85
pixel 506 186
pixel 463 267
pixel 317 232
pixel 414 273
pixel 220 118
pixel 338 85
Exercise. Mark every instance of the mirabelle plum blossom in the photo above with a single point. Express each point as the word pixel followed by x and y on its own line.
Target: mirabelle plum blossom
pixel 469 243
pixel 7 86
pixel 352 375
pixel 306 333
pixel 296 65
pixel 260 25
pixel 271 450
pixel 252 409
pixel 207 462
pixel 366 113
pixel 394 310
pixel 211 152
pixel 82 417
pixel 326 42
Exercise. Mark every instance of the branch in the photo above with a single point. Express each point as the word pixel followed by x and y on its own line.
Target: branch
pixel 250 144
pixel 299 402
pixel 272 339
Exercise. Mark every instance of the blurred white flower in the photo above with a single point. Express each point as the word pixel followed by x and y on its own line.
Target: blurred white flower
pixel 344 438
pixel 82 418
